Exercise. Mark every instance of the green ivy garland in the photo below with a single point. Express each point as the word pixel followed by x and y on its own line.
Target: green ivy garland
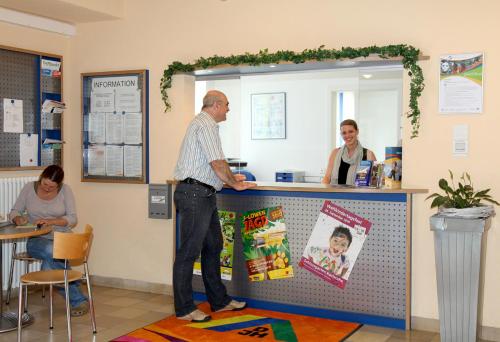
pixel 408 53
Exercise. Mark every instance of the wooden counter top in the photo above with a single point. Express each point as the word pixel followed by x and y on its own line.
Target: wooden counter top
pixel 318 187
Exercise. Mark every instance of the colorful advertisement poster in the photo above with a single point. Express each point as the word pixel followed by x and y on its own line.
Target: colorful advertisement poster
pixel 227 224
pixel 393 167
pixel 461 83
pixel 334 244
pixel 265 244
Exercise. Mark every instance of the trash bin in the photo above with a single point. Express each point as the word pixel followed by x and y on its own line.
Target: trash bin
pixel 458 246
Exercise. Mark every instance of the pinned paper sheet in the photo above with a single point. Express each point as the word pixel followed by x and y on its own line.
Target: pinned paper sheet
pixel 128 100
pixel 12 116
pixel 28 150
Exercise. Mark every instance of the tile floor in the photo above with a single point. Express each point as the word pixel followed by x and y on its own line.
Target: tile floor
pixel 121 311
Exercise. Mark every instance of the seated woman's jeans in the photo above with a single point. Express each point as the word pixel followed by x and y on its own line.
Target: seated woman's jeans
pixel 41 248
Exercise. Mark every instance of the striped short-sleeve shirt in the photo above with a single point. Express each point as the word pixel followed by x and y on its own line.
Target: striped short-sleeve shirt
pixel 201 145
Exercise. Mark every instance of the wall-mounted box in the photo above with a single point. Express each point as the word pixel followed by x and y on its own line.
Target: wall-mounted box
pixel 160 204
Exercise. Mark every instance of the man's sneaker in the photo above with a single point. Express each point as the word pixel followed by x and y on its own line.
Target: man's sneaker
pixel 196 316
pixel 233 306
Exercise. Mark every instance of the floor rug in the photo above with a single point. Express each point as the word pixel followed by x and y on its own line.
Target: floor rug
pixel 246 325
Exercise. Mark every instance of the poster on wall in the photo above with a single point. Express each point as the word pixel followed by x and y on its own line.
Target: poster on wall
pixel 461 83
pixel 265 244
pixel 227 224
pixel 268 116
pixel 334 244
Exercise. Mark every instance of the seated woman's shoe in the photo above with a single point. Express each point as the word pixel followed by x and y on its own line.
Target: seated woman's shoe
pixel 80 309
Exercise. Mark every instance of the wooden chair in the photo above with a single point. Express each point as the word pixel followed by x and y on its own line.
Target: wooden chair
pixel 68 247
pixel 27 259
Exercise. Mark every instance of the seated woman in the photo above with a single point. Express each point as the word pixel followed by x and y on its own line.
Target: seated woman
pixel 344 160
pixel 49 202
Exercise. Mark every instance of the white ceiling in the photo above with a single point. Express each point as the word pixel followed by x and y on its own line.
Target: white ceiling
pixel 69 11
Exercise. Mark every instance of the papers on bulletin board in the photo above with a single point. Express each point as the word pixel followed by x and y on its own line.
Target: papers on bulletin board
pixel 102 102
pixel 114 160
pixel 132 161
pixel 128 100
pixel 49 141
pixel 28 149
pixel 50 68
pixel 461 83
pixel 97 128
pixel 114 128
pixel 96 160
pixel 12 116
pixel 132 128
pixel 52 106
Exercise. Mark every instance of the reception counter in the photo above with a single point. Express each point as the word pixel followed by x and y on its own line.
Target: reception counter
pixel 378 289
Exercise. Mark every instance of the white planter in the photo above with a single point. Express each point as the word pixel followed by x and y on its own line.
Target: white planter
pixel 458 245
pixel 482 211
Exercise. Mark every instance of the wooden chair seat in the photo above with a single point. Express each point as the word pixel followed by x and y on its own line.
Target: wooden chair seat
pixel 24 256
pixel 27 259
pixel 50 277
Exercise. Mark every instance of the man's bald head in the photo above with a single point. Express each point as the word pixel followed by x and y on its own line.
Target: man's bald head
pixel 216 105
pixel 212 97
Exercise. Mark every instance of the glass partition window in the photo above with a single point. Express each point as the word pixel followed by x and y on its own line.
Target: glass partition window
pixel 316 103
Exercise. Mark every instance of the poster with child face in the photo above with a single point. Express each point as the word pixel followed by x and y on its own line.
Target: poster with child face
pixel 334 244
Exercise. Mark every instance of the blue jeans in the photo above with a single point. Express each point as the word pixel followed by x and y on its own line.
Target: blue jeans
pixel 199 233
pixel 41 248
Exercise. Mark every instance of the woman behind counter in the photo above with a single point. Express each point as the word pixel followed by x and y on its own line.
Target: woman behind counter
pixel 49 202
pixel 344 160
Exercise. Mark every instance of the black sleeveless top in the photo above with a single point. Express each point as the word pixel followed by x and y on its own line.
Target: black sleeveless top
pixel 344 168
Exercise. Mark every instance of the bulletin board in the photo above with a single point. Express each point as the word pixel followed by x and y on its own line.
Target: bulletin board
pixel 115 135
pixel 30 133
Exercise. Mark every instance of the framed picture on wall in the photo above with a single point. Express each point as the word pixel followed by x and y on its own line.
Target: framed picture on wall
pixel 268 116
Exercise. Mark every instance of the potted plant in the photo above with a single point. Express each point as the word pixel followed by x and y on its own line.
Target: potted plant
pixel 457 201
pixel 458 239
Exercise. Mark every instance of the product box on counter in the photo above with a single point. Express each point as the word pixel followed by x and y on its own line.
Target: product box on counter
pixel 393 168
pixel 290 176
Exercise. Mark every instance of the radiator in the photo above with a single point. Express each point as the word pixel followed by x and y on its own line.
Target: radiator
pixel 9 190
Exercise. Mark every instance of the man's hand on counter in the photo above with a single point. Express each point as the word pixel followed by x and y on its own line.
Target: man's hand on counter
pixel 239 177
pixel 241 185
pixel 235 181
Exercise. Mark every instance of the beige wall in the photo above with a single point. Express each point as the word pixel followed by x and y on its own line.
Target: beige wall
pixel 155 33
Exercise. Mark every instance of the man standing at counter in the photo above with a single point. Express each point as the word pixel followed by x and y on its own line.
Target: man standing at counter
pixel 201 170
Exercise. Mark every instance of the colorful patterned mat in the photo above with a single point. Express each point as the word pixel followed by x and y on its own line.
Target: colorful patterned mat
pixel 246 325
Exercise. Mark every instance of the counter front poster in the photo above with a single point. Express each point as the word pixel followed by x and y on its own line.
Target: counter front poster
pixel 227 224
pixel 265 244
pixel 334 244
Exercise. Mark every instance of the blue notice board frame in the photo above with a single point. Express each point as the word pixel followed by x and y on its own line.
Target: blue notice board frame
pixel 113 80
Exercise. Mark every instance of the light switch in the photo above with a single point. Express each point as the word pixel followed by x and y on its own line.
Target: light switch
pixel 460 140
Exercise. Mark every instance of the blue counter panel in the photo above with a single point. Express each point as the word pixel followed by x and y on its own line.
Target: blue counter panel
pixel 377 291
